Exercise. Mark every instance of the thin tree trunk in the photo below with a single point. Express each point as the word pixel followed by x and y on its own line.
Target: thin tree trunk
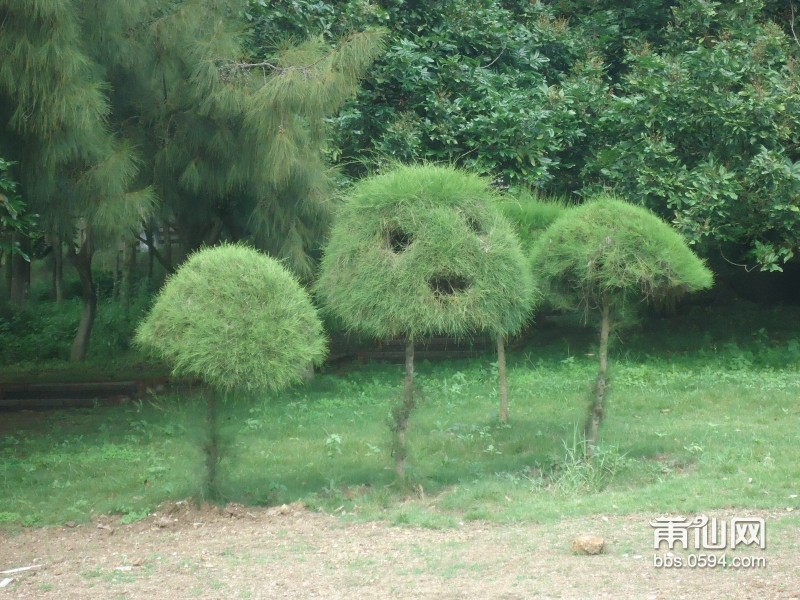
pixel 212 445
pixel 501 371
pixel 116 284
pixel 20 271
pixel 8 272
pixel 58 268
pixel 598 401
pixel 151 249
pixel 167 240
pixel 154 253
pixel 401 414
pixel 82 261
pixel 128 267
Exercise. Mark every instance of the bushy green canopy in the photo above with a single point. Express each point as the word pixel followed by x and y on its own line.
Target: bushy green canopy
pixel 531 215
pixel 609 248
pixel 421 250
pixel 235 318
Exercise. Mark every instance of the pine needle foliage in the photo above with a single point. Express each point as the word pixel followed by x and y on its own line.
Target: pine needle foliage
pixel 422 250
pixel 531 215
pixel 608 248
pixel 607 256
pixel 235 318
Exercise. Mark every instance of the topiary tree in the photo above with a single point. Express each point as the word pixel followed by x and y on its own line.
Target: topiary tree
pixel 531 215
pixel 236 319
pixel 418 251
pixel 607 256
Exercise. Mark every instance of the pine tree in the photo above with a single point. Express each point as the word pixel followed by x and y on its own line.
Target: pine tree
pixel 73 170
pixel 231 143
pixel 123 109
pixel 419 251
pixel 237 320
pixel 606 257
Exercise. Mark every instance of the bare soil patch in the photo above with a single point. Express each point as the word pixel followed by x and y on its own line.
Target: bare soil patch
pixel 184 551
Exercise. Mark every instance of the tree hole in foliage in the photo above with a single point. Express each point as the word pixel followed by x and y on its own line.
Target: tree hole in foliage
pixel 474 225
pixel 398 240
pixel 448 285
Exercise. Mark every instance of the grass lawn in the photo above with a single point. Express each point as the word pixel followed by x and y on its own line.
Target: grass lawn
pixel 703 413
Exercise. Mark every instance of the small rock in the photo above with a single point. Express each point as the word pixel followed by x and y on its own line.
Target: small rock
pixel 588 544
pixel 70 523
pixel 235 510
pixel 284 510
pixel 164 522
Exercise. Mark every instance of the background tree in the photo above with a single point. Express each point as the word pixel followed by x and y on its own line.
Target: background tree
pixel 158 109
pixel 73 170
pixel 237 320
pixel 232 133
pixel 605 257
pixel 703 129
pixel 419 251
pixel 15 223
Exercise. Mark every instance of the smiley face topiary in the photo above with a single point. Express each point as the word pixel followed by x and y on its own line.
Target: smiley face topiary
pixel 421 251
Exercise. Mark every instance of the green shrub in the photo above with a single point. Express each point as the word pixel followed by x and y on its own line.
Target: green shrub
pixel 236 319
pixel 531 215
pixel 422 250
pixel 608 256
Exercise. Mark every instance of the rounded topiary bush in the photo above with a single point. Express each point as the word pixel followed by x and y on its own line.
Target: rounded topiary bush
pixel 608 256
pixel 610 248
pixel 235 318
pixel 422 251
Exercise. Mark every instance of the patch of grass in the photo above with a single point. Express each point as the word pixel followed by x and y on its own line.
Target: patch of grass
pixel 699 422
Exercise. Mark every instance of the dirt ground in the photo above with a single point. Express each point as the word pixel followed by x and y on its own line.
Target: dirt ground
pixel 187 552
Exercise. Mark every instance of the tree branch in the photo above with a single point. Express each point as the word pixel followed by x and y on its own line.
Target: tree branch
pixel 746 269
pixel 791 24
pixel 151 247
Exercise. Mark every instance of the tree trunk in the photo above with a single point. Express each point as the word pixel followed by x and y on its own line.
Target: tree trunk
pixel 58 268
pixel 8 272
pixel 598 401
pixel 167 241
pixel 501 371
pixel 151 249
pixel 82 261
pixel 154 253
pixel 128 267
pixel 401 413
pixel 20 271
pixel 210 490
pixel 115 286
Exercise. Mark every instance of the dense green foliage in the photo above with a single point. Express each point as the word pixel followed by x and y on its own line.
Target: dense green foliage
pixel 159 114
pixel 236 319
pixel 531 215
pixel 13 217
pixel 704 130
pixel 421 250
pixel 609 250
pixel 688 107
pixel 488 85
